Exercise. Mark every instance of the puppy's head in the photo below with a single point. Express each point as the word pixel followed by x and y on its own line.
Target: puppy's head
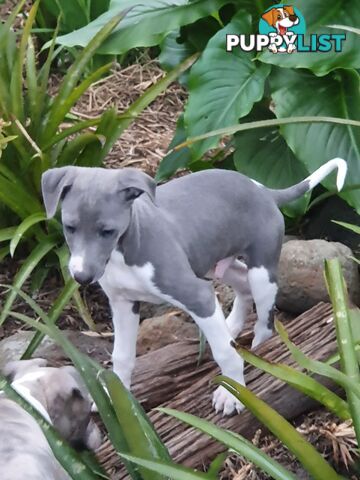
pixel 95 210
pixel 63 395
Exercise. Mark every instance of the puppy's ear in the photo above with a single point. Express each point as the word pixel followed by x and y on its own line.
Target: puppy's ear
pixel 133 183
pixel 20 367
pixel 55 183
pixel 269 17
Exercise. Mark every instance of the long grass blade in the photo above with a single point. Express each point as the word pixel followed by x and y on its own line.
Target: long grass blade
pixel 23 228
pixel 345 340
pixel 177 472
pixel 16 83
pixel 311 460
pixel 7 233
pixel 63 255
pixel 266 123
pixel 349 226
pixel 316 366
pixel 54 313
pixel 302 382
pixel 31 80
pixel 142 439
pixel 60 105
pixel 17 199
pixel 24 272
pixel 237 443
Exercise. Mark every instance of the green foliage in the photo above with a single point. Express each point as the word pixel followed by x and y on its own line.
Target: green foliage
pixel 145 25
pixel 224 88
pixel 32 127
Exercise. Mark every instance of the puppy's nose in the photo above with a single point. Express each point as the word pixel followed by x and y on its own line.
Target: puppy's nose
pixel 83 278
pixel 293 18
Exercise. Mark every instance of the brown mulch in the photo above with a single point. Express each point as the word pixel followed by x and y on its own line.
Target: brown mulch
pixel 145 142
pixel 334 439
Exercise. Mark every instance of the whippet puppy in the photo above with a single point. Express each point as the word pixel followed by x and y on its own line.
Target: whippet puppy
pixel 156 244
pixel 61 398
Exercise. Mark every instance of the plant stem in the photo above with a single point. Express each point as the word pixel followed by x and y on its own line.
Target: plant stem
pixel 265 123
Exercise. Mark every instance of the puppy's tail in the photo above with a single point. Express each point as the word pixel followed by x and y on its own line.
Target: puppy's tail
pixel 287 195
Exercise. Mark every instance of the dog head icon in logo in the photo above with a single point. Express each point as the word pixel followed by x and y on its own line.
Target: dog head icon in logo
pixel 282 23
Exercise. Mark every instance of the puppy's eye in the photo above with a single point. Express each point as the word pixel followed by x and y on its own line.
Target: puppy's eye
pixel 107 232
pixel 70 229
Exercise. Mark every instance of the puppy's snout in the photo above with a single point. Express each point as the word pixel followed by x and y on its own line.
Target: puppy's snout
pixel 83 278
pixel 293 18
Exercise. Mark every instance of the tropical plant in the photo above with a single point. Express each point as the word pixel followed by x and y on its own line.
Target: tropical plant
pixel 45 134
pixel 137 443
pixel 285 130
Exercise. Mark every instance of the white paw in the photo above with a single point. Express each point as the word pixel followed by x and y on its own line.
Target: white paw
pixel 224 401
pixel 261 336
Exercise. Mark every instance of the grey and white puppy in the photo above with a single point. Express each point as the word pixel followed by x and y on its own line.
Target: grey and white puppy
pixel 61 397
pixel 143 243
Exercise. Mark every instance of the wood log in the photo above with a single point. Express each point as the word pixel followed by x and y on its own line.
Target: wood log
pixel 312 331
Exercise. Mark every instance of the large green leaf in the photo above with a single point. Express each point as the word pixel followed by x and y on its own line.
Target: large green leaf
pixel 318 14
pixel 223 86
pixel 262 154
pixel 337 95
pixel 174 160
pixel 145 25
pixel 173 51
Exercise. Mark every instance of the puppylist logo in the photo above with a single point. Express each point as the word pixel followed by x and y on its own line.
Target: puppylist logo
pixel 282 30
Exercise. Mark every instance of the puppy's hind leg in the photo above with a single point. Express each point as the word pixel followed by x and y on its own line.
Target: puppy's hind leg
pixel 264 288
pixel 236 276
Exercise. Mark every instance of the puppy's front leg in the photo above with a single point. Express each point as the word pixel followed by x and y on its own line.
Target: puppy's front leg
pixel 231 364
pixel 126 324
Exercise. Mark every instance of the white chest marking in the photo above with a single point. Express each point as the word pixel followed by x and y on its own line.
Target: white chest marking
pixel 131 282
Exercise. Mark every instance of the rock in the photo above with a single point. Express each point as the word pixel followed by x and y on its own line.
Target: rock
pixel 97 346
pixel 157 332
pixel 301 277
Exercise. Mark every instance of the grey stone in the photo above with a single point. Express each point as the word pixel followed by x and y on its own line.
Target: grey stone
pixel 157 332
pixel 301 273
pixel 97 346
